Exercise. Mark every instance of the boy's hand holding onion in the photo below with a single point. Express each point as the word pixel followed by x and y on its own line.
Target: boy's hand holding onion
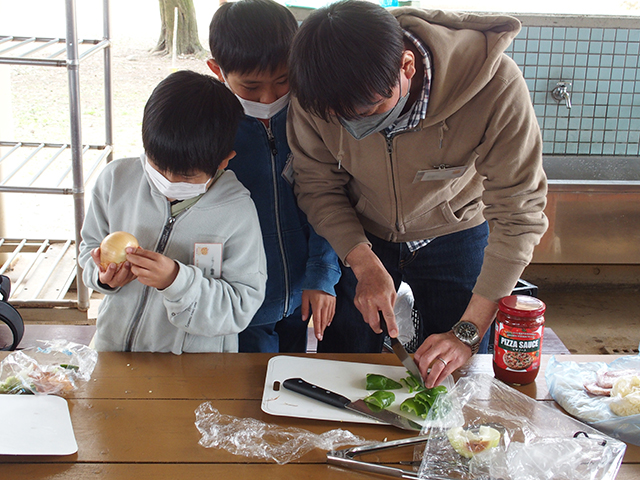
pixel 122 260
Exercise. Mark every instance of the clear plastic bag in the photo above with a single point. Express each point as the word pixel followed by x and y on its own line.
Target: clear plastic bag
pixel 566 382
pixel 55 368
pixel 252 438
pixel 529 432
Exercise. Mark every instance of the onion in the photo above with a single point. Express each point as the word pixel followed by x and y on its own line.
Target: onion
pixel 112 248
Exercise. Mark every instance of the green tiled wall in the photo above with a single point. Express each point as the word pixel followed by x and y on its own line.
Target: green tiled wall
pixel 602 65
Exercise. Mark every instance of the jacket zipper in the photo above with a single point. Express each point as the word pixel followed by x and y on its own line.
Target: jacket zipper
pixel 393 181
pixel 274 172
pixel 162 245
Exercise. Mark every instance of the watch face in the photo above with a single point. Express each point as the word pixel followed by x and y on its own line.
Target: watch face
pixel 467 332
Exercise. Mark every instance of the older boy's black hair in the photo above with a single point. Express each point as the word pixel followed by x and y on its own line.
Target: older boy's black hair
pixel 190 123
pixel 345 55
pixel 251 35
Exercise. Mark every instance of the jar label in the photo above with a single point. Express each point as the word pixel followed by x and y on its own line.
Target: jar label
pixel 517 349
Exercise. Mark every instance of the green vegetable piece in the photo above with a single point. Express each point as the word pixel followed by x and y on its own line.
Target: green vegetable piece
pixel 70 367
pixel 379 400
pixel 412 383
pixel 380 382
pixel 411 406
pixel 421 402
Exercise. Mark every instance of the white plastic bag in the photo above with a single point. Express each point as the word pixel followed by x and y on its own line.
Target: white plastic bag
pixel 566 382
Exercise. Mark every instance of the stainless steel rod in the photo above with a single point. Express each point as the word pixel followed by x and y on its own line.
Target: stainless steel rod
pixel 49 274
pixel 48 164
pixel 43 246
pixel 76 143
pixel 16 252
pixel 24 162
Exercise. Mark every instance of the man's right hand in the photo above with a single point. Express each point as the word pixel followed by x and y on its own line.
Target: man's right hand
pixel 375 291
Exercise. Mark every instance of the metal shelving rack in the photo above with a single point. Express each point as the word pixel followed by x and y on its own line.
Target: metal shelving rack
pixel 44 168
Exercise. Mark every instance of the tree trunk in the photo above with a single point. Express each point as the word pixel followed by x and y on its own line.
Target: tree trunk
pixel 187 42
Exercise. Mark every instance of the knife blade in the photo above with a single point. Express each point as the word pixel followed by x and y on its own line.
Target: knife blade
pixel 402 353
pixel 310 390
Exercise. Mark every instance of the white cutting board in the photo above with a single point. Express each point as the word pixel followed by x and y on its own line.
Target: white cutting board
pixel 345 378
pixel 36 425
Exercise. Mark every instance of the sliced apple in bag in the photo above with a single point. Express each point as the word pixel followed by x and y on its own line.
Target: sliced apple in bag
pixel 473 441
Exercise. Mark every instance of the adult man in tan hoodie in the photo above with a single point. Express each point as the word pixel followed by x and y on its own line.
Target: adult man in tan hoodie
pixel 415 147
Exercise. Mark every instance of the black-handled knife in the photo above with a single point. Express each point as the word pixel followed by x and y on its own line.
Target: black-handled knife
pixel 401 352
pixel 323 395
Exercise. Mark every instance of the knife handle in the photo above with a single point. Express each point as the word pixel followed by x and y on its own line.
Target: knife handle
pixel 383 324
pixel 307 389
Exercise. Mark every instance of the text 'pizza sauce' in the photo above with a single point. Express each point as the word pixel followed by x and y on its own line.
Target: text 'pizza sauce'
pixel 518 339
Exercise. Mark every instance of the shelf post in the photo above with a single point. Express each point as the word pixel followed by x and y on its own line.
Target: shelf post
pixel 73 66
pixel 108 99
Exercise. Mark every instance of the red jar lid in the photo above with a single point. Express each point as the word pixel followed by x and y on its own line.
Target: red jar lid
pixel 522 306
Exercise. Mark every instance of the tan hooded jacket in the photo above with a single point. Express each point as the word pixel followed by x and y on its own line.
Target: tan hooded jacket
pixel 479 117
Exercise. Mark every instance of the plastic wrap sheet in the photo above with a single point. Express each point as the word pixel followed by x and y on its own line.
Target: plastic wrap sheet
pixel 566 382
pixel 255 439
pixel 54 368
pixel 537 442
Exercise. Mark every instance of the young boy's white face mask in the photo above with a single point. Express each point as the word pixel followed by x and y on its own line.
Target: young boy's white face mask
pixel 173 190
pixel 262 110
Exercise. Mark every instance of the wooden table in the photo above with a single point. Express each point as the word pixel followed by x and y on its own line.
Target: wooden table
pixel 135 420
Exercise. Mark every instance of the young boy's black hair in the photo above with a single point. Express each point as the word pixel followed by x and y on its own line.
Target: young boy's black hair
pixel 358 45
pixel 190 123
pixel 251 35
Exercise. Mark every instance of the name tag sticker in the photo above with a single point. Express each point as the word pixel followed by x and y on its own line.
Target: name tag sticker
pixel 447 173
pixel 287 171
pixel 208 258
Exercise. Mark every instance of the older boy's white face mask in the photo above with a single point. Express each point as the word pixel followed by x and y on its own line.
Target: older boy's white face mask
pixel 175 190
pixel 256 109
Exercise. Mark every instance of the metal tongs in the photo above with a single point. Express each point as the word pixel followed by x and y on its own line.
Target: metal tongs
pixel 346 457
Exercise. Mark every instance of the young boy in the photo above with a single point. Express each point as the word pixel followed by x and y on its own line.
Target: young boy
pixel 199 275
pixel 250 41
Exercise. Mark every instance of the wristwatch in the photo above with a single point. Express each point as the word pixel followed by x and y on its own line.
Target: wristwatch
pixel 468 334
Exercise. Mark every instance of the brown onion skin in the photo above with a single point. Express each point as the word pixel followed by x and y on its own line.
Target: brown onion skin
pixel 113 246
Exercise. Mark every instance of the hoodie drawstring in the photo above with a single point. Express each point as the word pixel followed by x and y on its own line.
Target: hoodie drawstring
pixel 340 155
pixel 443 128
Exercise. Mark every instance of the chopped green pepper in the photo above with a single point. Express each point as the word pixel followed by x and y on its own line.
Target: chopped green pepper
pixel 380 382
pixel 70 367
pixel 421 403
pixel 412 383
pixel 379 400
pixel 410 405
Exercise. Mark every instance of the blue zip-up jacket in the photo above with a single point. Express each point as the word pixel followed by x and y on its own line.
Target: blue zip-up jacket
pixel 297 258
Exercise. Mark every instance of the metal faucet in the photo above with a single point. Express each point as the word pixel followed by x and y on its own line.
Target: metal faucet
pixel 561 92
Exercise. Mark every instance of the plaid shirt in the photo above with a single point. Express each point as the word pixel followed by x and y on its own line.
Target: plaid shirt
pixel 418 112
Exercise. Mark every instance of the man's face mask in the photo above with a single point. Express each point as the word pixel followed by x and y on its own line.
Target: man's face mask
pixel 362 127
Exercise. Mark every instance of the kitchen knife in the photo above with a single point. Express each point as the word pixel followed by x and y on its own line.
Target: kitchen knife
pixel 401 353
pixel 307 389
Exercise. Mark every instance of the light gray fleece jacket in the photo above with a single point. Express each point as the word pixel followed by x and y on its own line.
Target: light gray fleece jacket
pixel 196 313
pixel 479 117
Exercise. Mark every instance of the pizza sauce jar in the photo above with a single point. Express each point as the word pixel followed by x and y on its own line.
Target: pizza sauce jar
pixel 518 339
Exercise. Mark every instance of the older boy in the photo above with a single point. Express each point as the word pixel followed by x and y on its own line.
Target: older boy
pixel 250 42
pixel 201 275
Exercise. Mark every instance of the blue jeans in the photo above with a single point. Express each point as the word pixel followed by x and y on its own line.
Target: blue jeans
pixel 289 335
pixel 441 275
